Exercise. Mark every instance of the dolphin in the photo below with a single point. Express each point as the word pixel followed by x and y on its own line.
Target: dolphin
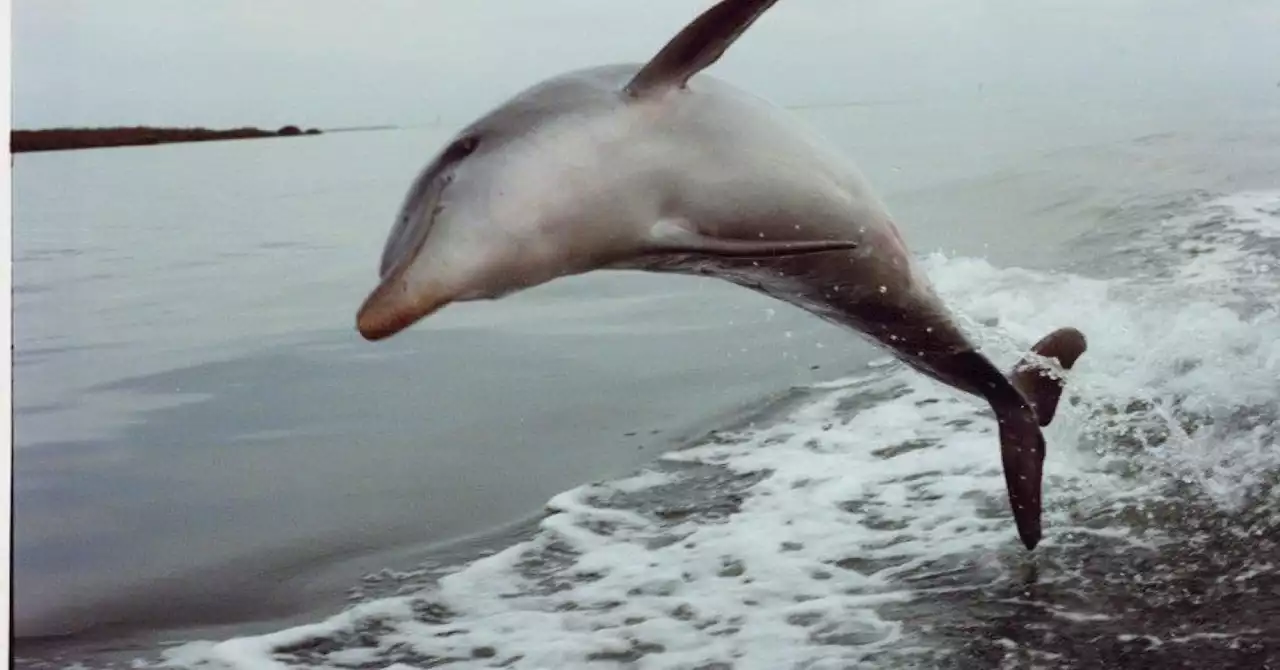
pixel 660 167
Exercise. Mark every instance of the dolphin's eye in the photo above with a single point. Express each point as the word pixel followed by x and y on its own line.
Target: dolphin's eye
pixel 462 147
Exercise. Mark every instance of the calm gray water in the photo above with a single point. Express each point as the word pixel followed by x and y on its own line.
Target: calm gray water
pixel 203 439
pixel 195 408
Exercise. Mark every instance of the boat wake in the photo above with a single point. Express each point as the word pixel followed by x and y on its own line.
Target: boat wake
pixel 864 523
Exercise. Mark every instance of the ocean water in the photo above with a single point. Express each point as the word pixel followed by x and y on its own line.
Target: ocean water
pixel 861 522
pixel 633 471
pixel 194 408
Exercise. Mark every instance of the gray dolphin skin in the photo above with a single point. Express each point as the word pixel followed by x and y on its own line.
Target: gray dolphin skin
pixel 661 168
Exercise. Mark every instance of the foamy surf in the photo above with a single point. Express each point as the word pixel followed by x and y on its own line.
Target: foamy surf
pixel 866 525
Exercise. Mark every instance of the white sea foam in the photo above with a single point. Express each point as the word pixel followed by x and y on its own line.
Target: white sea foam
pixel 837 511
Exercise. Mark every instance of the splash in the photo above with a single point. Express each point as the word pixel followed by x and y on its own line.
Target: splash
pixel 868 523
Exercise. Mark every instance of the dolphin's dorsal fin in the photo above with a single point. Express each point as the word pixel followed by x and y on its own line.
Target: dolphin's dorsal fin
pixel 700 44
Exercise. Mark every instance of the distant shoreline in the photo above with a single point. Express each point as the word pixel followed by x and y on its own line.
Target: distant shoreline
pixel 61 139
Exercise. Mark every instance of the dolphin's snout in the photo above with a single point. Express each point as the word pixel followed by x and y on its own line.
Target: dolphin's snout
pixel 392 307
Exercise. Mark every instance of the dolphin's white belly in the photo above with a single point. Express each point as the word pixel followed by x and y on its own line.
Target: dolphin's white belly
pixel 737 166
pixel 710 152
pixel 710 156
pixel 751 161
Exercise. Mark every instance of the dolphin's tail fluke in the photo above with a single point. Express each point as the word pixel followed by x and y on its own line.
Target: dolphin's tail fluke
pixel 1035 377
pixel 1022 455
pixel 1021 415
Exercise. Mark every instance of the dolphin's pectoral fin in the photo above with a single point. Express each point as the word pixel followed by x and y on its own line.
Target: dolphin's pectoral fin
pixel 1022 453
pixel 1035 377
pixel 670 237
pixel 700 44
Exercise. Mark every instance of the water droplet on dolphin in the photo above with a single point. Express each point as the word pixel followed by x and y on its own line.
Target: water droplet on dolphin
pixel 884 289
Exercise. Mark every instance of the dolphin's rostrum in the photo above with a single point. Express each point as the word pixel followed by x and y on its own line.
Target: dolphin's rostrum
pixel 662 168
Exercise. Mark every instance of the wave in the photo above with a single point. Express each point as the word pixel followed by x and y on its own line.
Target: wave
pixel 863 523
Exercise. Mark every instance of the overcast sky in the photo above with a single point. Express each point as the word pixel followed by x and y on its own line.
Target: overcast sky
pixel 353 62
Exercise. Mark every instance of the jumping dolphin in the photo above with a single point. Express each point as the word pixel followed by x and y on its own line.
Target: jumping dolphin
pixel 661 168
